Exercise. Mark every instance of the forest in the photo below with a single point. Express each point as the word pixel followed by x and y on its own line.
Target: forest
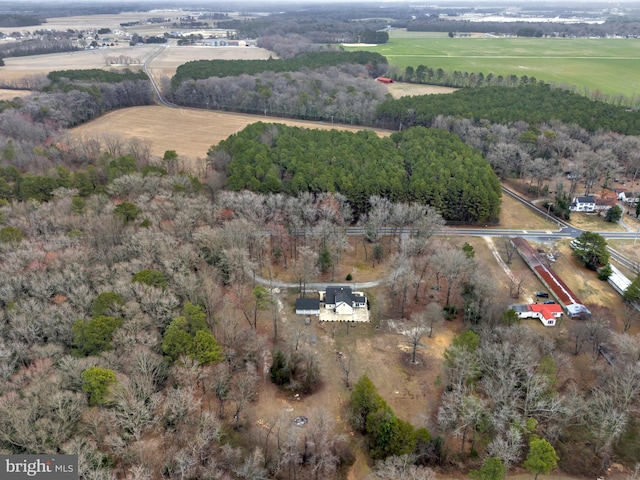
pixel 9 20
pixel 135 330
pixel 200 69
pixel 320 95
pixel 133 314
pixel 416 165
pixel 531 103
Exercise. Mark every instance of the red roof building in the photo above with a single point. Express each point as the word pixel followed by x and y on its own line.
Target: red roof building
pixel 547 313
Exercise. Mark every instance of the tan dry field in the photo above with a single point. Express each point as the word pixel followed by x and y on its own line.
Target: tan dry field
pixel 112 21
pixel 8 94
pixel 165 64
pixel 20 67
pixel 190 132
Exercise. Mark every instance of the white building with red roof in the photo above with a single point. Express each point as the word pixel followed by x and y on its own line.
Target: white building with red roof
pixel 547 313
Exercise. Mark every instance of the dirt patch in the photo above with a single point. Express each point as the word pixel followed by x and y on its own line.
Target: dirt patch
pixel 190 132
pixel 400 89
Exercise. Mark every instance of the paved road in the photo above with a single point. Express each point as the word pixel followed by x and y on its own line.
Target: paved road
pixel 155 86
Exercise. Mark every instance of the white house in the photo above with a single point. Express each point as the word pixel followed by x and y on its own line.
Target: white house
pixel 342 301
pixel 547 313
pixel 583 204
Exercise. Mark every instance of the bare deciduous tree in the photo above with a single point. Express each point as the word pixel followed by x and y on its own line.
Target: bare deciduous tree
pixel 244 390
pixel 321 440
pixel 415 332
pixel 401 467
pixel 305 267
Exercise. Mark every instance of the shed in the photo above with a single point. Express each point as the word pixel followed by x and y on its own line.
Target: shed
pixel 384 80
pixel 308 306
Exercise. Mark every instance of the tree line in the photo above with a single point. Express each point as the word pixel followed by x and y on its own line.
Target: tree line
pixel 416 165
pixel 37 46
pixel 344 94
pixel 458 79
pixel 519 99
pixel 12 20
pixel 533 104
pixel 95 75
pixel 613 26
pixel 199 69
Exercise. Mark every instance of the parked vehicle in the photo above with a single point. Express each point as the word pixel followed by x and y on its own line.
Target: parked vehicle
pixel 542 294
pixel 550 302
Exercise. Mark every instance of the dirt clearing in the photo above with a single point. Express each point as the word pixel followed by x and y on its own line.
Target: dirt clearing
pixel 400 89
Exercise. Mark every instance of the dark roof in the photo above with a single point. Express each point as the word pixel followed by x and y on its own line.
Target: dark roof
pixel 308 304
pixel 586 200
pixel 336 295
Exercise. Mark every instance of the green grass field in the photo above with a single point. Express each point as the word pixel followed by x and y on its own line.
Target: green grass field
pixel 611 66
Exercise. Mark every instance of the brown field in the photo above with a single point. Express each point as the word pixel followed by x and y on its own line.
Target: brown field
pixel 7 94
pixel 164 64
pixel 190 132
pixel 20 67
pixel 112 21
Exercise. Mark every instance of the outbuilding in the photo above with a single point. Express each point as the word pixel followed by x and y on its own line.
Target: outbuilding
pixel 308 306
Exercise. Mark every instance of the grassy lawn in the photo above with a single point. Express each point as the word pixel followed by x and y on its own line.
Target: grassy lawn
pixel 609 65
pixel 627 247
pixel 594 223
pixel 514 214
